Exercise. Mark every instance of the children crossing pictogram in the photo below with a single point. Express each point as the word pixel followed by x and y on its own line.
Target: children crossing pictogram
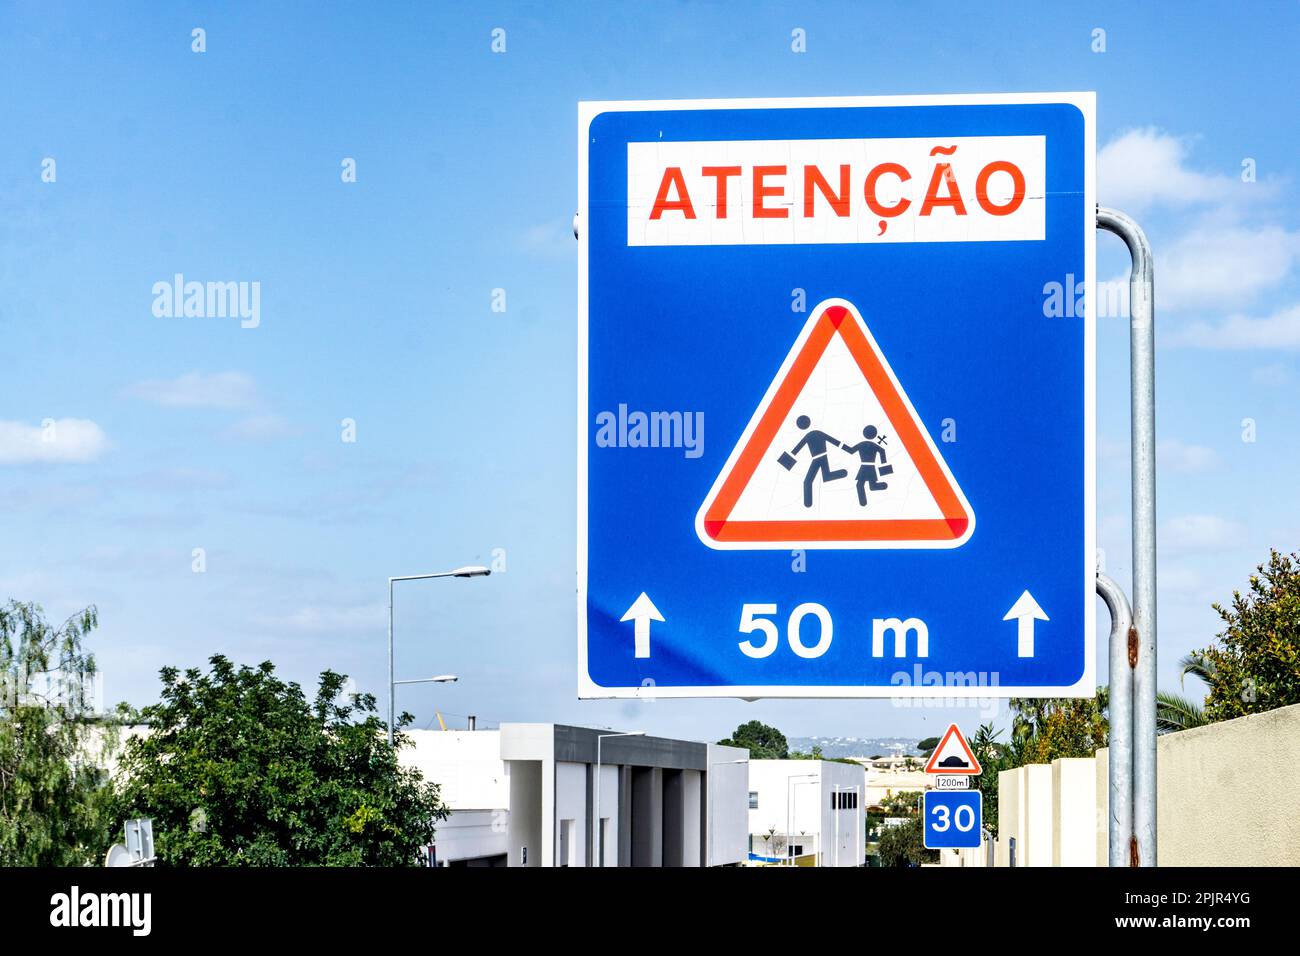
pixel 834 386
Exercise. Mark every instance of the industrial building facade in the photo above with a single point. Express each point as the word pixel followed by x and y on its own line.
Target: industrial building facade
pixel 556 795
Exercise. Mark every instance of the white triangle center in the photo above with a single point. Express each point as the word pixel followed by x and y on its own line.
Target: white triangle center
pixel 840 403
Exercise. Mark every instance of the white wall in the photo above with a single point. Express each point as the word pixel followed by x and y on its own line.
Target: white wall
pixel 524 828
pixel 843 831
pixel 803 788
pixel 609 811
pixel 1074 796
pixel 465 764
pixel 787 799
pixel 1225 797
pixel 1011 816
pixel 571 804
pixel 1040 816
pixel 470 834
pixel 691 796
pixel 728 810
pixel 473 781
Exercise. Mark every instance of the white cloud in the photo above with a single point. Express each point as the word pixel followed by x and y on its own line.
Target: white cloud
pixel 554 238
pixel 197 390
pixel 326 619
pixel 1178 456
pixel 1281 330
pixel 1201 532
pixel 1110 449
pixel 1273 375
pixel 53 440
pixel 1221 264
pixel 1145 167
pixel 259 428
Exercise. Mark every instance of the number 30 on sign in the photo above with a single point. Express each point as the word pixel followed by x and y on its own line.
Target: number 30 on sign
pixel 953 819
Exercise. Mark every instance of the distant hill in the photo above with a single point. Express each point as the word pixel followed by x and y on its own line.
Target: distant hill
pixel 856 746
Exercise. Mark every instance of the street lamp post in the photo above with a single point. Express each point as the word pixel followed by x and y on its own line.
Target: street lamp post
pixel 598 851
pixel 789 807
pixel 471 571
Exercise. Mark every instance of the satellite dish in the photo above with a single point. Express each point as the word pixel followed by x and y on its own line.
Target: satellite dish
pixel 118 855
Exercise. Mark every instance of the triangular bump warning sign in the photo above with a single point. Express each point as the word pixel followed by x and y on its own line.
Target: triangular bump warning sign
pixel 953 755
pixel 835 456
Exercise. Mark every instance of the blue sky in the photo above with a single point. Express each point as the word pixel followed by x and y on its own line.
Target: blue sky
pixel 376 305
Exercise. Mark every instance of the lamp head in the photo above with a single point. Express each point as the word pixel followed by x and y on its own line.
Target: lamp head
pixel 471 571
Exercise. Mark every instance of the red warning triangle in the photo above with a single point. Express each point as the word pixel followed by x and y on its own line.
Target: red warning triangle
pixel 953 755
pixel 835 456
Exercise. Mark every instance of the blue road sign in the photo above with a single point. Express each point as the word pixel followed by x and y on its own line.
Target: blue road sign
pixel 953 819
pixel 836 397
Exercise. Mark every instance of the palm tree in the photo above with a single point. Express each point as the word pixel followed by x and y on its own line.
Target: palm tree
pixel 1174 713
pixel 1195 663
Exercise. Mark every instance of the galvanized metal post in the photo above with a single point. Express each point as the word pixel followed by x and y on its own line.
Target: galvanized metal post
pixel 1142 360
pixel 391 685
pixel 1120 764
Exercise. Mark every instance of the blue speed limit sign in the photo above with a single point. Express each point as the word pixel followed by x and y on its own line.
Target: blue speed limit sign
pixel 952 819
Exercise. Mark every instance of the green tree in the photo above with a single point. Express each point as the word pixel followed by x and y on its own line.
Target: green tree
pixel 926 747
pixel 762 742
pixel 904 845
pixel 239 768
pixel 1174 713
pixel 1254 665
pixel 814 754
pixel 1192 663
pixel 53 793
pixel 1046 728
pixel 993 758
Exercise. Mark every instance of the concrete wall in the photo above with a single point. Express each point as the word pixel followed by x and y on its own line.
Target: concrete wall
pixel 727 809
pixel 609 804
pixel 1026 812
pixel 465 764
pixel 692 817
pixel 571 805
pixel 843 830
pixel 524 828
pixel 1011 815
pixel 1040 816
pixel 1074 797
pixel 647 823
pixel 538 786
pixel 788 798
pixel 473 782
pixel 795 796
pixel 674 825
pixel 1228 794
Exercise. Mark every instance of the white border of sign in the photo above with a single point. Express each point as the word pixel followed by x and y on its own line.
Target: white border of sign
pixel 1086 103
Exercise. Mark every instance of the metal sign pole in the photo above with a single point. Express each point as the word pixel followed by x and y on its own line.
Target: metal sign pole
pixel 1143 641
pixel 1120 777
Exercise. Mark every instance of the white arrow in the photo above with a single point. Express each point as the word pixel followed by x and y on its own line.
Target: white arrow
pixel 642 611
pixel 1025 611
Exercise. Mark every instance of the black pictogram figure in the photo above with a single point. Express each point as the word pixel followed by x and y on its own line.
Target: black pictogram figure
pixel 869 473
pixel 816 442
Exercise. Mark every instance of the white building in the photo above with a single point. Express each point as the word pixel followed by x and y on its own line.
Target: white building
pixel 474 783
pixel 891 776
pixel 527 795
pixel 809 811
